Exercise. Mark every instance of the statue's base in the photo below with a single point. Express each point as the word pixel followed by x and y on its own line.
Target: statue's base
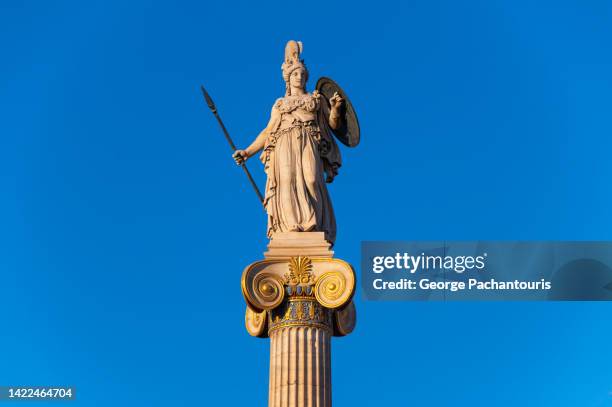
pixel 289 244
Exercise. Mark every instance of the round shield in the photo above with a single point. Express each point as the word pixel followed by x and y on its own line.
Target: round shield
pixel 348 133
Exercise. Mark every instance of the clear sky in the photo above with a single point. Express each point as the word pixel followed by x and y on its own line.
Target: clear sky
pixel 125 225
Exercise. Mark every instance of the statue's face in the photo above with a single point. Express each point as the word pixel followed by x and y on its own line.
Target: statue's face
pixel 297 79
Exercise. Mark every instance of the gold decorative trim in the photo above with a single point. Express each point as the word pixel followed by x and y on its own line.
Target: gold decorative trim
pixel 332 289
pixel 299 324
pixel 267 292
pixel 256 322
pixel 299 279
pixel 300 312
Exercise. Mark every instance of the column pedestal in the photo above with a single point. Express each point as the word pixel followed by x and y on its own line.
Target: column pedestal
pixel 299 302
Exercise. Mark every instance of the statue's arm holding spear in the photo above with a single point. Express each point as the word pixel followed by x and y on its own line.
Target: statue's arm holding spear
pixel 240 156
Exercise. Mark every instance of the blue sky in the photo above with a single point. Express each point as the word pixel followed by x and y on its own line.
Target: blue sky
pixel 126 225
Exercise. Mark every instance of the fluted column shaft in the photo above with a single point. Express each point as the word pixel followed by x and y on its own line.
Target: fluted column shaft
pixel 300 362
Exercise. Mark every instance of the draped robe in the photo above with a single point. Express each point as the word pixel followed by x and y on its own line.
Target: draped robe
pixel 298 152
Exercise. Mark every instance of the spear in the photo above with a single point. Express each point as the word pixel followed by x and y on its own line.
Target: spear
pixel 213 109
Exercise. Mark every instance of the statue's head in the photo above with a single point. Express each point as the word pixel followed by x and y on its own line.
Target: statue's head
pixel 295 73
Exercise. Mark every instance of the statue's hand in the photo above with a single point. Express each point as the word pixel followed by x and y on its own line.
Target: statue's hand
pixel 240 156
pixel 336 101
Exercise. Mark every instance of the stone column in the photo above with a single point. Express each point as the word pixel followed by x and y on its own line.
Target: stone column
pixel 300 373
pixel 299 303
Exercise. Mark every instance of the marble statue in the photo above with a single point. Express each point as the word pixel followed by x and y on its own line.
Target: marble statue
pixel 299 153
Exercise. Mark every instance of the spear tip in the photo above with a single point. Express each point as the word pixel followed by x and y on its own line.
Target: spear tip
pixel 209 100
